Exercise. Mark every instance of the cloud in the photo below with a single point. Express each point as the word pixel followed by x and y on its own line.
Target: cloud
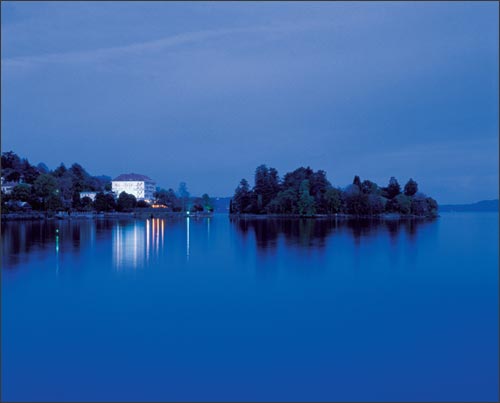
pixel 158 45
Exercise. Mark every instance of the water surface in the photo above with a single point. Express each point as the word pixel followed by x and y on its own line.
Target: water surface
pixel 214 309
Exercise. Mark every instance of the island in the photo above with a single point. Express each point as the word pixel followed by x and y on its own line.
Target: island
pixel 308 193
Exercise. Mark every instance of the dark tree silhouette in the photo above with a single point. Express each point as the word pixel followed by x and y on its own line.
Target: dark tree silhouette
pixel 411 188
pixel 305 192
pixel 393 189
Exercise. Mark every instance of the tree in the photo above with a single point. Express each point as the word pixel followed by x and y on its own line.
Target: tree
pixel 183 195
pixel 432 206
pixel 12 175
pixel 45 186
pixel 76 202
pixel 167 198
pixel 419 204
pixel 357 182
pixel 11 166
pixel 42 168
pixel 411 188
pixel 60 171
pixel 391 206
pixel 353 200
pixel 266 186
pixel 16 169
pixel 294 179
pixel 53 202
pixel 65 185
pixel 81 179
pixel 126 202
pixel 142 204
pixel 28 172
pixel 10 160
pixel 197 205
pixel 284 203
pixel 207 202
pixel 306 201
pixel 393 189
pixel 21 192
pixel 319 185
pixel 104 202
pixel 333 198
pixel 375 204
pixel 85 203
pixel 242 197
pixel 260 187
pixel 403 204
pixel 369 187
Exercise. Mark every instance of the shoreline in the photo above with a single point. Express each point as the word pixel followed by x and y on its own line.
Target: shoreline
pixel 384 216
pixel 45 216
pixel 40 216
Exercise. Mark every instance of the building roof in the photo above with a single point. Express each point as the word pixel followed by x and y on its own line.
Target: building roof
pixel 133 177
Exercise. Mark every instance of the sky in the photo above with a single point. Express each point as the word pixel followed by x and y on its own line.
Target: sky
pixel 205 92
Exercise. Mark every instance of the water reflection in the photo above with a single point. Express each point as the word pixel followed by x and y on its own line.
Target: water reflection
pixel 313 233
pixel 19 239
pixel 187 237
pixel 135 243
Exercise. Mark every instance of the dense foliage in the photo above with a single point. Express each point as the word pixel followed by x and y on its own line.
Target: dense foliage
pixel 182 201
pixel 306 193
pixel 42 189
pixel 39 188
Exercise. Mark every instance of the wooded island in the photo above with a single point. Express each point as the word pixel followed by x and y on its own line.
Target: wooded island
pixel 304 192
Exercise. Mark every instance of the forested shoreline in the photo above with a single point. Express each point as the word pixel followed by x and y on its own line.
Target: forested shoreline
pixel 302 192
pixel 309 193
pixel 40 189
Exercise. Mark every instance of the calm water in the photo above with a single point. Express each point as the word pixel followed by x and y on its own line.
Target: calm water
pixel 213 309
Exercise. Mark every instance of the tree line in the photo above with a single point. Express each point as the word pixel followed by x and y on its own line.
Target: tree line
pixel 43 189
pixel 305 192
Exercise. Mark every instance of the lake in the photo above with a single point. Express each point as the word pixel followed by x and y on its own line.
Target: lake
pixel 220 309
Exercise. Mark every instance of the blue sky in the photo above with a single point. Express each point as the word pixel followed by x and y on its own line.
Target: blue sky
pixel 205 92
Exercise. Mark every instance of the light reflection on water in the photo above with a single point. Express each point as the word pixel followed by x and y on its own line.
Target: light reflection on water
pixel 135 243
pixel 187 237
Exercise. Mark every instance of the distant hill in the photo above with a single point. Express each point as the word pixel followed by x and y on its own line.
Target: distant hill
pixel 484 205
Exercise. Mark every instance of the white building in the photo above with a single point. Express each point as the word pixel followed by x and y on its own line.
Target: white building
pixel 8 187
pixel 90 195
pixel 141 186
